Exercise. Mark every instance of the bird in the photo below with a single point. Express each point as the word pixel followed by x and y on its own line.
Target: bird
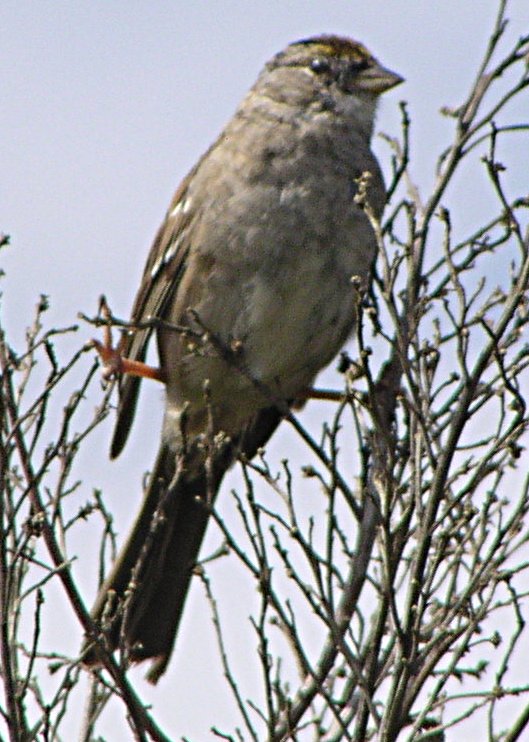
pixel 249 290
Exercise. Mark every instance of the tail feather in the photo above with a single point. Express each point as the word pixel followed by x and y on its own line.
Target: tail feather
pixel 149 581
pixel 147 586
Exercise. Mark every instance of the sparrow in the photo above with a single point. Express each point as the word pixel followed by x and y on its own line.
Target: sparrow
pixel 249 289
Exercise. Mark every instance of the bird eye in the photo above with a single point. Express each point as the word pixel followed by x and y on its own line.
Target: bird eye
pixel 319 65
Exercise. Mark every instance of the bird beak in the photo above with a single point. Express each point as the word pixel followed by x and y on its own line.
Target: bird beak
pixel 377 79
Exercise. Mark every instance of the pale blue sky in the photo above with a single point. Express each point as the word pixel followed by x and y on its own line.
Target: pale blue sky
pixel 104 107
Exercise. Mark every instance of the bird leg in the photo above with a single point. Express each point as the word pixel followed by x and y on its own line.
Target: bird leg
pixel 327 395
pixel 114 364
pixel 354 372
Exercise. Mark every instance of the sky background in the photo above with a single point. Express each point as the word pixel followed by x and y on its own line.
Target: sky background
pixel 105 105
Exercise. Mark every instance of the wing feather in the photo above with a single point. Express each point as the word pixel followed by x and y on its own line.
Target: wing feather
pixel 162 275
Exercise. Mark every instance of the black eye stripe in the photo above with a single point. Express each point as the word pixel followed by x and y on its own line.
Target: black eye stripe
pixel 359 65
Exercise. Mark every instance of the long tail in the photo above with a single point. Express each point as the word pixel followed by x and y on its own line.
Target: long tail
pixel 140 604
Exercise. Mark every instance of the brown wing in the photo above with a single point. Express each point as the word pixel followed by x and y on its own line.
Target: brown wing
pixel 165 266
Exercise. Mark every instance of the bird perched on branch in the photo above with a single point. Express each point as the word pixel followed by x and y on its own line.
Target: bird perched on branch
pixel 251 287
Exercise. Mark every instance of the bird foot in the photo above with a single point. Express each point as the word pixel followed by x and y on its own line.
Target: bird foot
pixel 328 395
pixel 114 364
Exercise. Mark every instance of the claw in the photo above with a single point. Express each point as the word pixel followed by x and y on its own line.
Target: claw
pixel 114 364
